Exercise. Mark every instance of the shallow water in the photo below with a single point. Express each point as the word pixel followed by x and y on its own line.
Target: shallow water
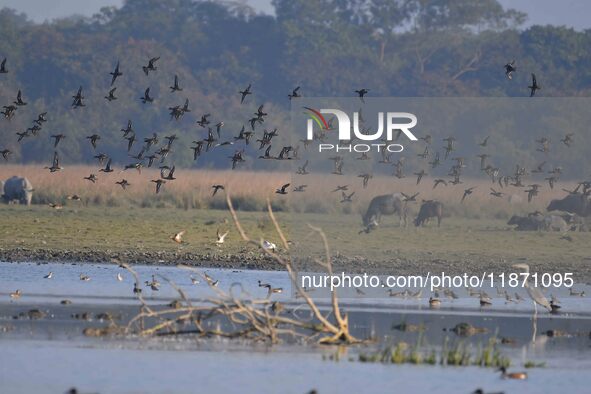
pixel 51 355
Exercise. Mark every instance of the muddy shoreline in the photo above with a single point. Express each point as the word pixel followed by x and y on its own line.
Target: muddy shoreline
pixel 472 265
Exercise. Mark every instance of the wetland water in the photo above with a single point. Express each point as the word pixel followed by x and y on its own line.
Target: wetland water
pixel 52 355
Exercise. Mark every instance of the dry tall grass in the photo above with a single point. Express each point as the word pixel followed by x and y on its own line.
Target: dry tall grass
pixel 193 189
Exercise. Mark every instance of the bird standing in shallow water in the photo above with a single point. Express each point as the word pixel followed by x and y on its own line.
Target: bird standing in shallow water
pixel 534 292
pixel 512 375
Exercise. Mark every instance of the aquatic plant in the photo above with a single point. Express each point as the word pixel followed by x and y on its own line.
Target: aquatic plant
pixel 458 354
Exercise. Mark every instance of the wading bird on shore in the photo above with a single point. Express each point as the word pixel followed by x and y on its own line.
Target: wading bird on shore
pixel 534 292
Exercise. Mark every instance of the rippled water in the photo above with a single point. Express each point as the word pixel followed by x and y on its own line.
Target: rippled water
pixel 51 355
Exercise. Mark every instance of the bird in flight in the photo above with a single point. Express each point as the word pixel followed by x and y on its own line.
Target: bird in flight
pixel 467 192
pixel 151 65
pixel 147 98
pixel 55 166
pixel 282 189
pixel 111 96
pixel 534 86
pixel 123 183
pixel 3 69
pixel 19 99
pixel 361 93
pixel 115 74
pixel 216 188
pixel 221 237
pixel 178 237
pixel 245 93
pixel 510 69
pixel 294 93
pixel 175 86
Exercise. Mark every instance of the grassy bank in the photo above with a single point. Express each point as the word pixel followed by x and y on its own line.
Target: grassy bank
pixel 459 245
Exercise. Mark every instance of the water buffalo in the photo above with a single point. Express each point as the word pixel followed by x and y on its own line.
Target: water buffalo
pixel 429 209
pixel 388 204
pixel 527 223
pixel 573 203
pixel 18 189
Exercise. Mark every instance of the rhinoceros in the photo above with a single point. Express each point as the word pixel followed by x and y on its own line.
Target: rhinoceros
pixel 555 223
pixel 18 189
pixel 429 209
pixel 388 204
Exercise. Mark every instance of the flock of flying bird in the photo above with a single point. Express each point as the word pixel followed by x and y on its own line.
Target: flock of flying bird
pixel 150 152
pixel 146 157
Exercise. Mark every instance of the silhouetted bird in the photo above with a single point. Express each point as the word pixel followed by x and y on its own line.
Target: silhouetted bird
pixel 216 188
pixel 147 98
pixel 159 183
pixel 361 93
pixel 510 69
pixel 245 93
pixel 3 69
pixel 111 96
pixel 78 97
pixel 92 178
pixel 347 198
pixel 107 167
pixel 175 86
pixel 467 192
pixel 93 139
pixel 534 86
pixel 55 166
pixel 151 65
pixel 282 189
pixel 128 129
pixel 115 74
pixel 19 99
pixel 123 183
pixel 294 93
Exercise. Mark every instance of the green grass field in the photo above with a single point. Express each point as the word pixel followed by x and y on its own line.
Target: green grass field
pixel 459 245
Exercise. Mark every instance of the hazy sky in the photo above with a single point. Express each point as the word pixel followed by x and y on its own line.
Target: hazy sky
pixel 572 13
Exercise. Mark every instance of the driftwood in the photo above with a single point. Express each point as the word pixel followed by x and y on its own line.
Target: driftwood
pixel 258 319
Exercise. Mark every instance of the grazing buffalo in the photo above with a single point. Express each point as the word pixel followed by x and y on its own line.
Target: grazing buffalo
pixel 527 223
pixel 538 222
pixel 18 189
pixel 388 204
pixel 429 209
pixel 573 203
